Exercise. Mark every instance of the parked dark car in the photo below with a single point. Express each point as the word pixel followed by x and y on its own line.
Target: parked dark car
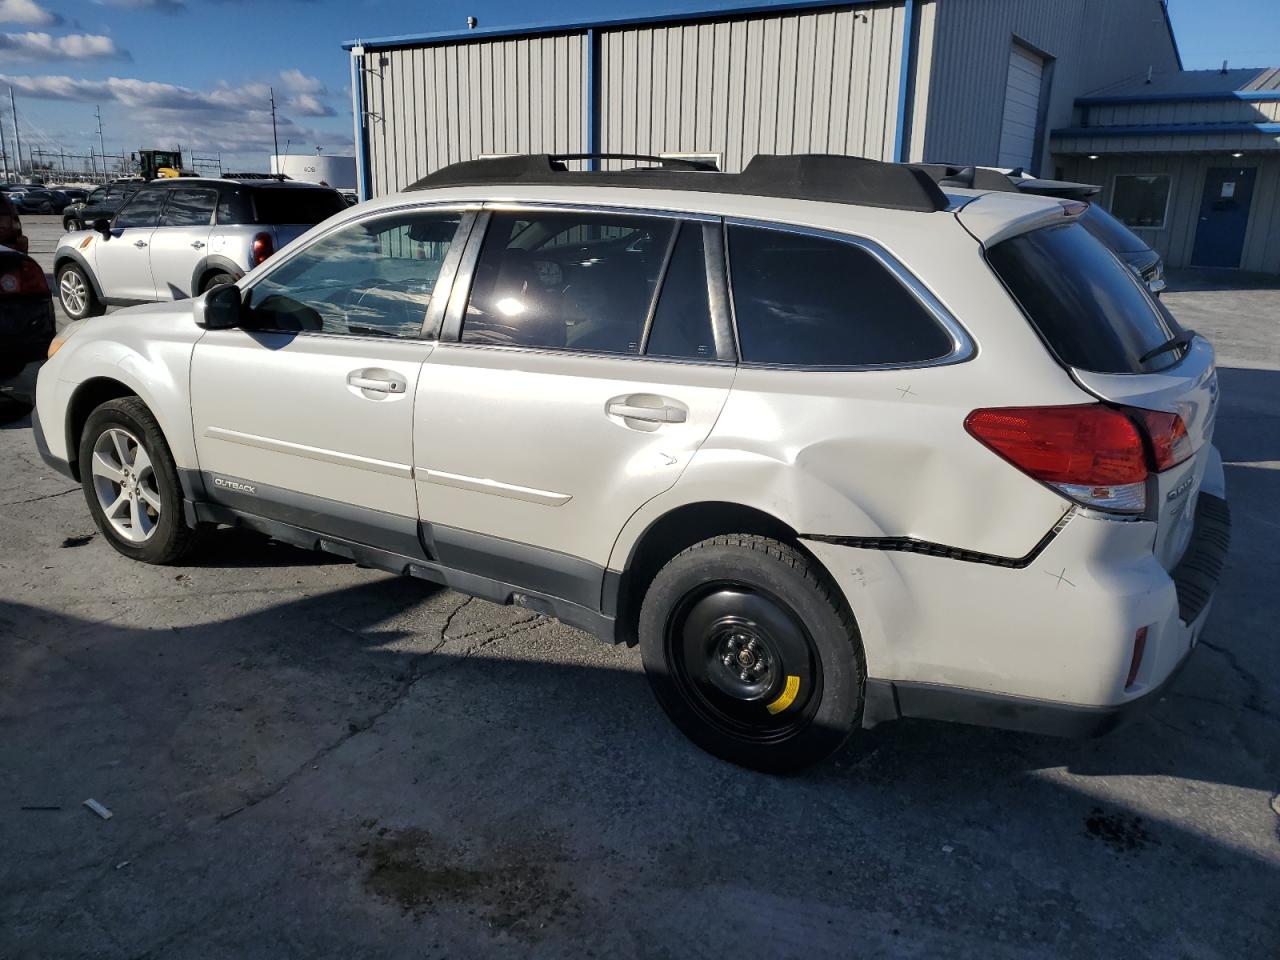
pixel 102 203
pixel 1122 241
pixel 37 200
pixel 26 324
pixel 74 194
pixel 11 234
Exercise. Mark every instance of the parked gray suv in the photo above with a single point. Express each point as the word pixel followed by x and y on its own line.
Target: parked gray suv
pixel 177 238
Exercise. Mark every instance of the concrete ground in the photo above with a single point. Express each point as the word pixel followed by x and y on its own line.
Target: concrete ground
pixel 303 758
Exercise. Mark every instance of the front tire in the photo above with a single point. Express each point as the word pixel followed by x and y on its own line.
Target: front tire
pixel 131 483
pixel 71 224
pixel 76 294
pixel 753 653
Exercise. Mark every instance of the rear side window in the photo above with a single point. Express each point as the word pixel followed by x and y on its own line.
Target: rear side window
pixel 1088 307
pixel 682 321
pixel 189 208
pixel 143 210
pixel 1111 231
pixel 810 301
pixel 289 205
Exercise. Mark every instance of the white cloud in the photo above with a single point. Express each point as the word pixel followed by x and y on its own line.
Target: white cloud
pixel 27 12
pixel 295 81
pixel 228 119
pixel 44 46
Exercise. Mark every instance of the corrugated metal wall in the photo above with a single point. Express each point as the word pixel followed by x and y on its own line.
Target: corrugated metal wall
pixel 1094 43
pixel 433 105
pixel 1175 241
pixel 822 81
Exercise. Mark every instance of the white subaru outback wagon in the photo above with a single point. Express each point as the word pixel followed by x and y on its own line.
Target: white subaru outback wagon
pixel 832 446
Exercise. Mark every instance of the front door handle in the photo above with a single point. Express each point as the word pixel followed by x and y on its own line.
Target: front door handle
pixel 197 244
pixel 376 384
pixel 139 244
pixel 664 413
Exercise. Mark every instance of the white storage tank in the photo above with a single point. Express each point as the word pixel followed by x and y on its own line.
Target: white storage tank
pixel 338 172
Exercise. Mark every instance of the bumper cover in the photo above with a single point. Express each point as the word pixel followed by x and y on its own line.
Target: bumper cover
pixel 42 447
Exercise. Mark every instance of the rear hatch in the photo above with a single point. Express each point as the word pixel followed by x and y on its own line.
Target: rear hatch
pixel 1123 346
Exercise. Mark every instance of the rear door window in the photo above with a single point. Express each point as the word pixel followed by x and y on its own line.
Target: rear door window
pixel 567 281
pixel 295 205
pixel 1090 309
pixel 682 325
pixel 802 300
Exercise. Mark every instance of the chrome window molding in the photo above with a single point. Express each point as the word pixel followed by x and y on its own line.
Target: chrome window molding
pixel 962 346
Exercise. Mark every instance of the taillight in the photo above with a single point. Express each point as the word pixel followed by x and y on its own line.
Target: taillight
pixel 1091 453
pixel 25 278
pixel 263 247
pixel 1170 442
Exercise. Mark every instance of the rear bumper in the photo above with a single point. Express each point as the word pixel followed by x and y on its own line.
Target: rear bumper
pixel 1046 647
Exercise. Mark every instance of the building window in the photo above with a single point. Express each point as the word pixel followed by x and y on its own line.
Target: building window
pixel 1141 200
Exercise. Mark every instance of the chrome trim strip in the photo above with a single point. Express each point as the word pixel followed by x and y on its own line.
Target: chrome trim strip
pixel 962 345
pixel 481 485
pixel 402 470
pixel 626 209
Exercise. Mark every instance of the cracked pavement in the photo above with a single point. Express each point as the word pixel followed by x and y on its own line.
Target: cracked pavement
pixel 305 758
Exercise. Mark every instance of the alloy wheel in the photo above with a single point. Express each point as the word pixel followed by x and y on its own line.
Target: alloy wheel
pixel 73 293
pixel 125 483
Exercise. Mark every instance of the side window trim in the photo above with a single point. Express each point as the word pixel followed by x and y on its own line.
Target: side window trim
pixel 713 227
pixel 962 348
pixel 657 288
pixel 442 294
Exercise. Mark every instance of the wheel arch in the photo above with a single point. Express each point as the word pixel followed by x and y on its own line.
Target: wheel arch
pixel 67 256
pixel 210 265
pixel 672 531
pixel 87 397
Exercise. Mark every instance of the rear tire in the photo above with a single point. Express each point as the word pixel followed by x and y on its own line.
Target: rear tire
pixel 76 293
pixel 753 653
pixel 71 224
pixel 131 483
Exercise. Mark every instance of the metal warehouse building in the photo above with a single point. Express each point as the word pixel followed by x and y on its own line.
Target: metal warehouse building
pixel 1014 83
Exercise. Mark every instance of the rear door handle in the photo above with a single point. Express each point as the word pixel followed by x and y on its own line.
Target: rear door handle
pixel 139 244
pixel 666 413
pixel 197 244
pixel 376 384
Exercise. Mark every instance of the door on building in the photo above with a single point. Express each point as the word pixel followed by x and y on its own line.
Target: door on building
pixel 1020 128
pixel 1224 216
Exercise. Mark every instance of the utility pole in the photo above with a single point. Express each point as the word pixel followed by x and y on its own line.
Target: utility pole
pixel 101 141
pixel 4 154
pixel 275 138
pixel 17 135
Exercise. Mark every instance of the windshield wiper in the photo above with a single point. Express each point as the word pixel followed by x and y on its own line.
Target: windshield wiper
pixel 1176 342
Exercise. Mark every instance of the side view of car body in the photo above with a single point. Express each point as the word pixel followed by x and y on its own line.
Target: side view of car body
pixel 833 447
pixel 100 202
pixel 177 237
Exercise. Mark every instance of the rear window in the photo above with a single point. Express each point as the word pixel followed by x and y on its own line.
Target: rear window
pixel 1088 307
pixel 1111 231
pixel 286 205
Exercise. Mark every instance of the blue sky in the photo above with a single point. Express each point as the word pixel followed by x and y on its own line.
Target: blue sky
pixel 196 72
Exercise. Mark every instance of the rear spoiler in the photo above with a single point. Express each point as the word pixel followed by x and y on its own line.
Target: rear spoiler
pixel 993 217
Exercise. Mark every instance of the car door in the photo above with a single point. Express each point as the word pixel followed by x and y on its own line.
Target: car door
pixel 305 414
pixel 180 239
pixel 573 383
pixel 122 258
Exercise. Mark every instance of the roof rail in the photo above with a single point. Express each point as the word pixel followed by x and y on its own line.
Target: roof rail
pixel 831 178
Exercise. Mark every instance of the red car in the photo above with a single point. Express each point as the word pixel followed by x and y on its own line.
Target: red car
pixel 11 234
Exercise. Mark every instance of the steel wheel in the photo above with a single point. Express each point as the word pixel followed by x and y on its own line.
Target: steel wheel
pixel 125 483
pixel 73 293
pixel 744 661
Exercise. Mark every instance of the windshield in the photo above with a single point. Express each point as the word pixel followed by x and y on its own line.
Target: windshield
pixel 1089 308
pixel 1111 231
pixel 290 205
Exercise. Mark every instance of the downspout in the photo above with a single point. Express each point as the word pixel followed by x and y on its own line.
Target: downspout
pixel 906 78
pixel 361 122
pixel 593 97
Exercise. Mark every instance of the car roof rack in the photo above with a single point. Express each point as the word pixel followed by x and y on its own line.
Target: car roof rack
pixel 997 181
pixel 830 178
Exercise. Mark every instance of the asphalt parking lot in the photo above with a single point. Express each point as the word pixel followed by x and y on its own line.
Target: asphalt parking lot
pixel 304 758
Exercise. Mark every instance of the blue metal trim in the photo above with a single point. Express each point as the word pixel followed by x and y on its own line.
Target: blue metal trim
pixel 1167 130
pixel 1222 96
pixel 362 127
pixel 906 76
pixel 593 96
pixel 698 12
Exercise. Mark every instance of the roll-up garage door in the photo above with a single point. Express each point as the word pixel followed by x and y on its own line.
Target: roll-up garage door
pixel 1021 108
